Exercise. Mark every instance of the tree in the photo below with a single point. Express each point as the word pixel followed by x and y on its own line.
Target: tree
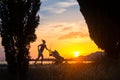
pixel 18 22
pixel 102 18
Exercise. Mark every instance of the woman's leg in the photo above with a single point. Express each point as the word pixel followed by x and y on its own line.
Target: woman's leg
pixel 41 58
pixel 37 59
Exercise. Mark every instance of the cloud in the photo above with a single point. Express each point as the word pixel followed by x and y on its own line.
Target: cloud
pixel 62 27
pixel 67 28
pixel 66 4
pixel 58 7
pixel 58 10
pixel 73 35
pixel 44 0
pixel 55 10
pixel 57 26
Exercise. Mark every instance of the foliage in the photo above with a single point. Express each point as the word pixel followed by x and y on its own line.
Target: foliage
pixel 18 23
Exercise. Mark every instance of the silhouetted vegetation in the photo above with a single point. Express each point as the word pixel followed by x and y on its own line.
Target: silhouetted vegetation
pixel 102 18
pixel 18 22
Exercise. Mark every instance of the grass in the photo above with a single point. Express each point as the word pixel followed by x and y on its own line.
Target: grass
pixel 78 71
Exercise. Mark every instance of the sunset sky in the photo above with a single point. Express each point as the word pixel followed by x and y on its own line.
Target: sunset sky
pixel 64 29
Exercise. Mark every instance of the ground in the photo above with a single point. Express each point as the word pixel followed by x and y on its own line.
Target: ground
pixel 77 71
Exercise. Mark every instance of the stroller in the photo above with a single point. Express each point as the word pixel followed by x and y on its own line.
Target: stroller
pixel 58 59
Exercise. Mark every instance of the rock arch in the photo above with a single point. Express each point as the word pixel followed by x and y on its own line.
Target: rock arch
pixel 102 18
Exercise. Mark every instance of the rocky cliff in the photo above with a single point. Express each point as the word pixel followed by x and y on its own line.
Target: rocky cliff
pixel 102 18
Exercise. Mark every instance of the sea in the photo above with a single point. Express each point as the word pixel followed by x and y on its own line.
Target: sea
pixel 51 62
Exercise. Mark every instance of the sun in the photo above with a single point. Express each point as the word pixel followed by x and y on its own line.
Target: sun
pixel 76 54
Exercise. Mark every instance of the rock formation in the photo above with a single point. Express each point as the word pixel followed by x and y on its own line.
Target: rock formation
pixel 102 18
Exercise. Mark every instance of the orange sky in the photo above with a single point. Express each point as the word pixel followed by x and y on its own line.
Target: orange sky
pixel 64 29
pixel 64 37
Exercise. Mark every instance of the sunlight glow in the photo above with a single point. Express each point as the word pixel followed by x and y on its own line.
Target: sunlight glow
pixel 77 54
pixel 73 39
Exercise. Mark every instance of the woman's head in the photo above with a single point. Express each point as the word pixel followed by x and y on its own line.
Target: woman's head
pixel 43 41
